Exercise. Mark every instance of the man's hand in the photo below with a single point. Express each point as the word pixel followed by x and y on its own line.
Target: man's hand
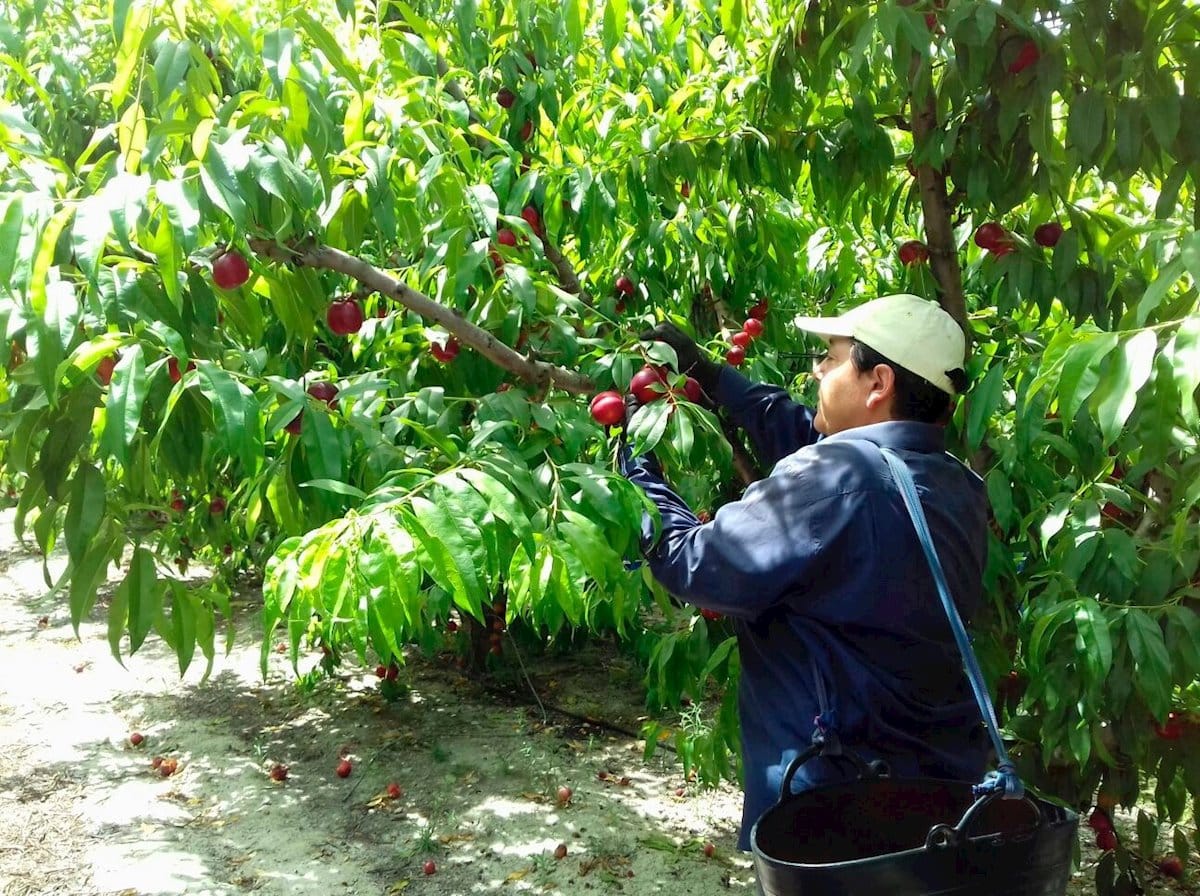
pixel 691 362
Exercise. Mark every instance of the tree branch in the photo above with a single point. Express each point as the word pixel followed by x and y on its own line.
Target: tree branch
pixel 327 258
pixel 939 232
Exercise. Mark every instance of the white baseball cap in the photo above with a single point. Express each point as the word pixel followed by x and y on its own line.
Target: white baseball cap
pixel 913 332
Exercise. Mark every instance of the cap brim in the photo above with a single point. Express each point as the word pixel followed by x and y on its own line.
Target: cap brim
pixel 825 326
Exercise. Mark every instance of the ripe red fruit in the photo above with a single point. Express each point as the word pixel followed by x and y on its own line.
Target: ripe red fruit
pixel 393 672
pixel 168 767
pixel 560 851
pixel 505 97
pixel 990 235
pixel 532 218
pixel 685 189
pixel 709 850
pixel 564 795
pixel 447 353
pixel 624 286
pixel 1048 234
pixel 1106 840
pixel 451 626
pixel 693 390
pixel 136 739
pixel 735 356
pixel 648 384
pixel 913 252
pixel 1171 867
pixel 1099 820
pixel 1026 56
pixel 179 505
pixel 753 326
pixel 324 391
pixel 679 791
pixel 711 615
pixel 741 339
pixel 344 317
pixel 156 762
pixel 279 772
pixel 608 408
pixel 173 369
pixel 394 791
pixel 526 131
pixel 217 505
pixel 294 426
pixel 104 370
pixel 429 867
pixel 506 237
pixel 344 768
pixel 759 311
pixel 497 261
pixel 381 671
pixel 230 270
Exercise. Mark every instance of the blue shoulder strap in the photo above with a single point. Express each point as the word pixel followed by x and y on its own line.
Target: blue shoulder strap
pixel 1004 780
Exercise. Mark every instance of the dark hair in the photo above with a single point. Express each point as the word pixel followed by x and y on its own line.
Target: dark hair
pixel 916 397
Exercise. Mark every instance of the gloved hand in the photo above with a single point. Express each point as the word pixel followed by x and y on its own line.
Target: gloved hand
pixel 691 361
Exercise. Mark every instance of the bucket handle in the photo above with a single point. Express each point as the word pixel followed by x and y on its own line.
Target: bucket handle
pixel 944 836
pixel 864 769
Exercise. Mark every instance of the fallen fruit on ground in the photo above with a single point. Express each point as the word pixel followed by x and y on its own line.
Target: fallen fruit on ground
pixel 344 768
pixel 395 791
pixel 279 772
pixel 564 795
pixel 1172 867
pixel 560 851
pixel 429 867
pixel 230 270
pixel 136 739
pixel 710 850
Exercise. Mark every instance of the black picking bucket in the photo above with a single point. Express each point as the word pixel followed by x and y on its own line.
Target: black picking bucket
pixel 878 835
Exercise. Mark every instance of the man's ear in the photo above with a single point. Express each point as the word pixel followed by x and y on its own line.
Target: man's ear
pixel 883 387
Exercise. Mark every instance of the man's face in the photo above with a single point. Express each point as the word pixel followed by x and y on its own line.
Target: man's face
pixel 844 398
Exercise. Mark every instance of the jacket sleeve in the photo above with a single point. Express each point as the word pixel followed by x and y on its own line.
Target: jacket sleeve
pixel 776 424
pixel 754 552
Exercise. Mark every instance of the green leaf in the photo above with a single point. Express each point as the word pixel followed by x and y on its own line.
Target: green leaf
pixel 328 46
pixel 1158 289
pixel 647 426
pixel 504 505
pixel 126 394
pixel 984 400
pixel 88 575
pixel 1081 371
pixel 336 486
pixel 453 563
pixel 1117 395
pixel 1150 660
pixel 1093 644
pixel 85 511
pixel 142 595
pixel 1085 123
pixel 238 426
pixel 1184 355
pixel 183 625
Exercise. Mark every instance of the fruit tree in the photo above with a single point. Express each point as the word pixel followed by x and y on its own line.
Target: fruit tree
pixel 326 292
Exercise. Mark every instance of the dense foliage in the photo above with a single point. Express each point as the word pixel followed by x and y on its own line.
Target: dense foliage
pixel 460 215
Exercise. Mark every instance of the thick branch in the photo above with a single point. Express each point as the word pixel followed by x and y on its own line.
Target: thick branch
pixel 566 274
pixel 328 258
pixel 939 232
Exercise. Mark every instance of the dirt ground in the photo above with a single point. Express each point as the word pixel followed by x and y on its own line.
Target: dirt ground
pixel 84 813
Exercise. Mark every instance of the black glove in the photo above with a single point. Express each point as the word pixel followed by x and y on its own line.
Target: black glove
pixel 691 362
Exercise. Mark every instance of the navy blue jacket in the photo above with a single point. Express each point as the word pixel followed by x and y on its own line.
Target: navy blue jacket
pixel 819 568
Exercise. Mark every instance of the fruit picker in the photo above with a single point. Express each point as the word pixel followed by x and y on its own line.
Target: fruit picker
pixel 818 567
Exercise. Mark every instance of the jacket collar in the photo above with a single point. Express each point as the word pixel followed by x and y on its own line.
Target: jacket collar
pixel 903 435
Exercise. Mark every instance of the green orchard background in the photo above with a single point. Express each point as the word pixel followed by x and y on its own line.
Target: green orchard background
pixel 715 154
